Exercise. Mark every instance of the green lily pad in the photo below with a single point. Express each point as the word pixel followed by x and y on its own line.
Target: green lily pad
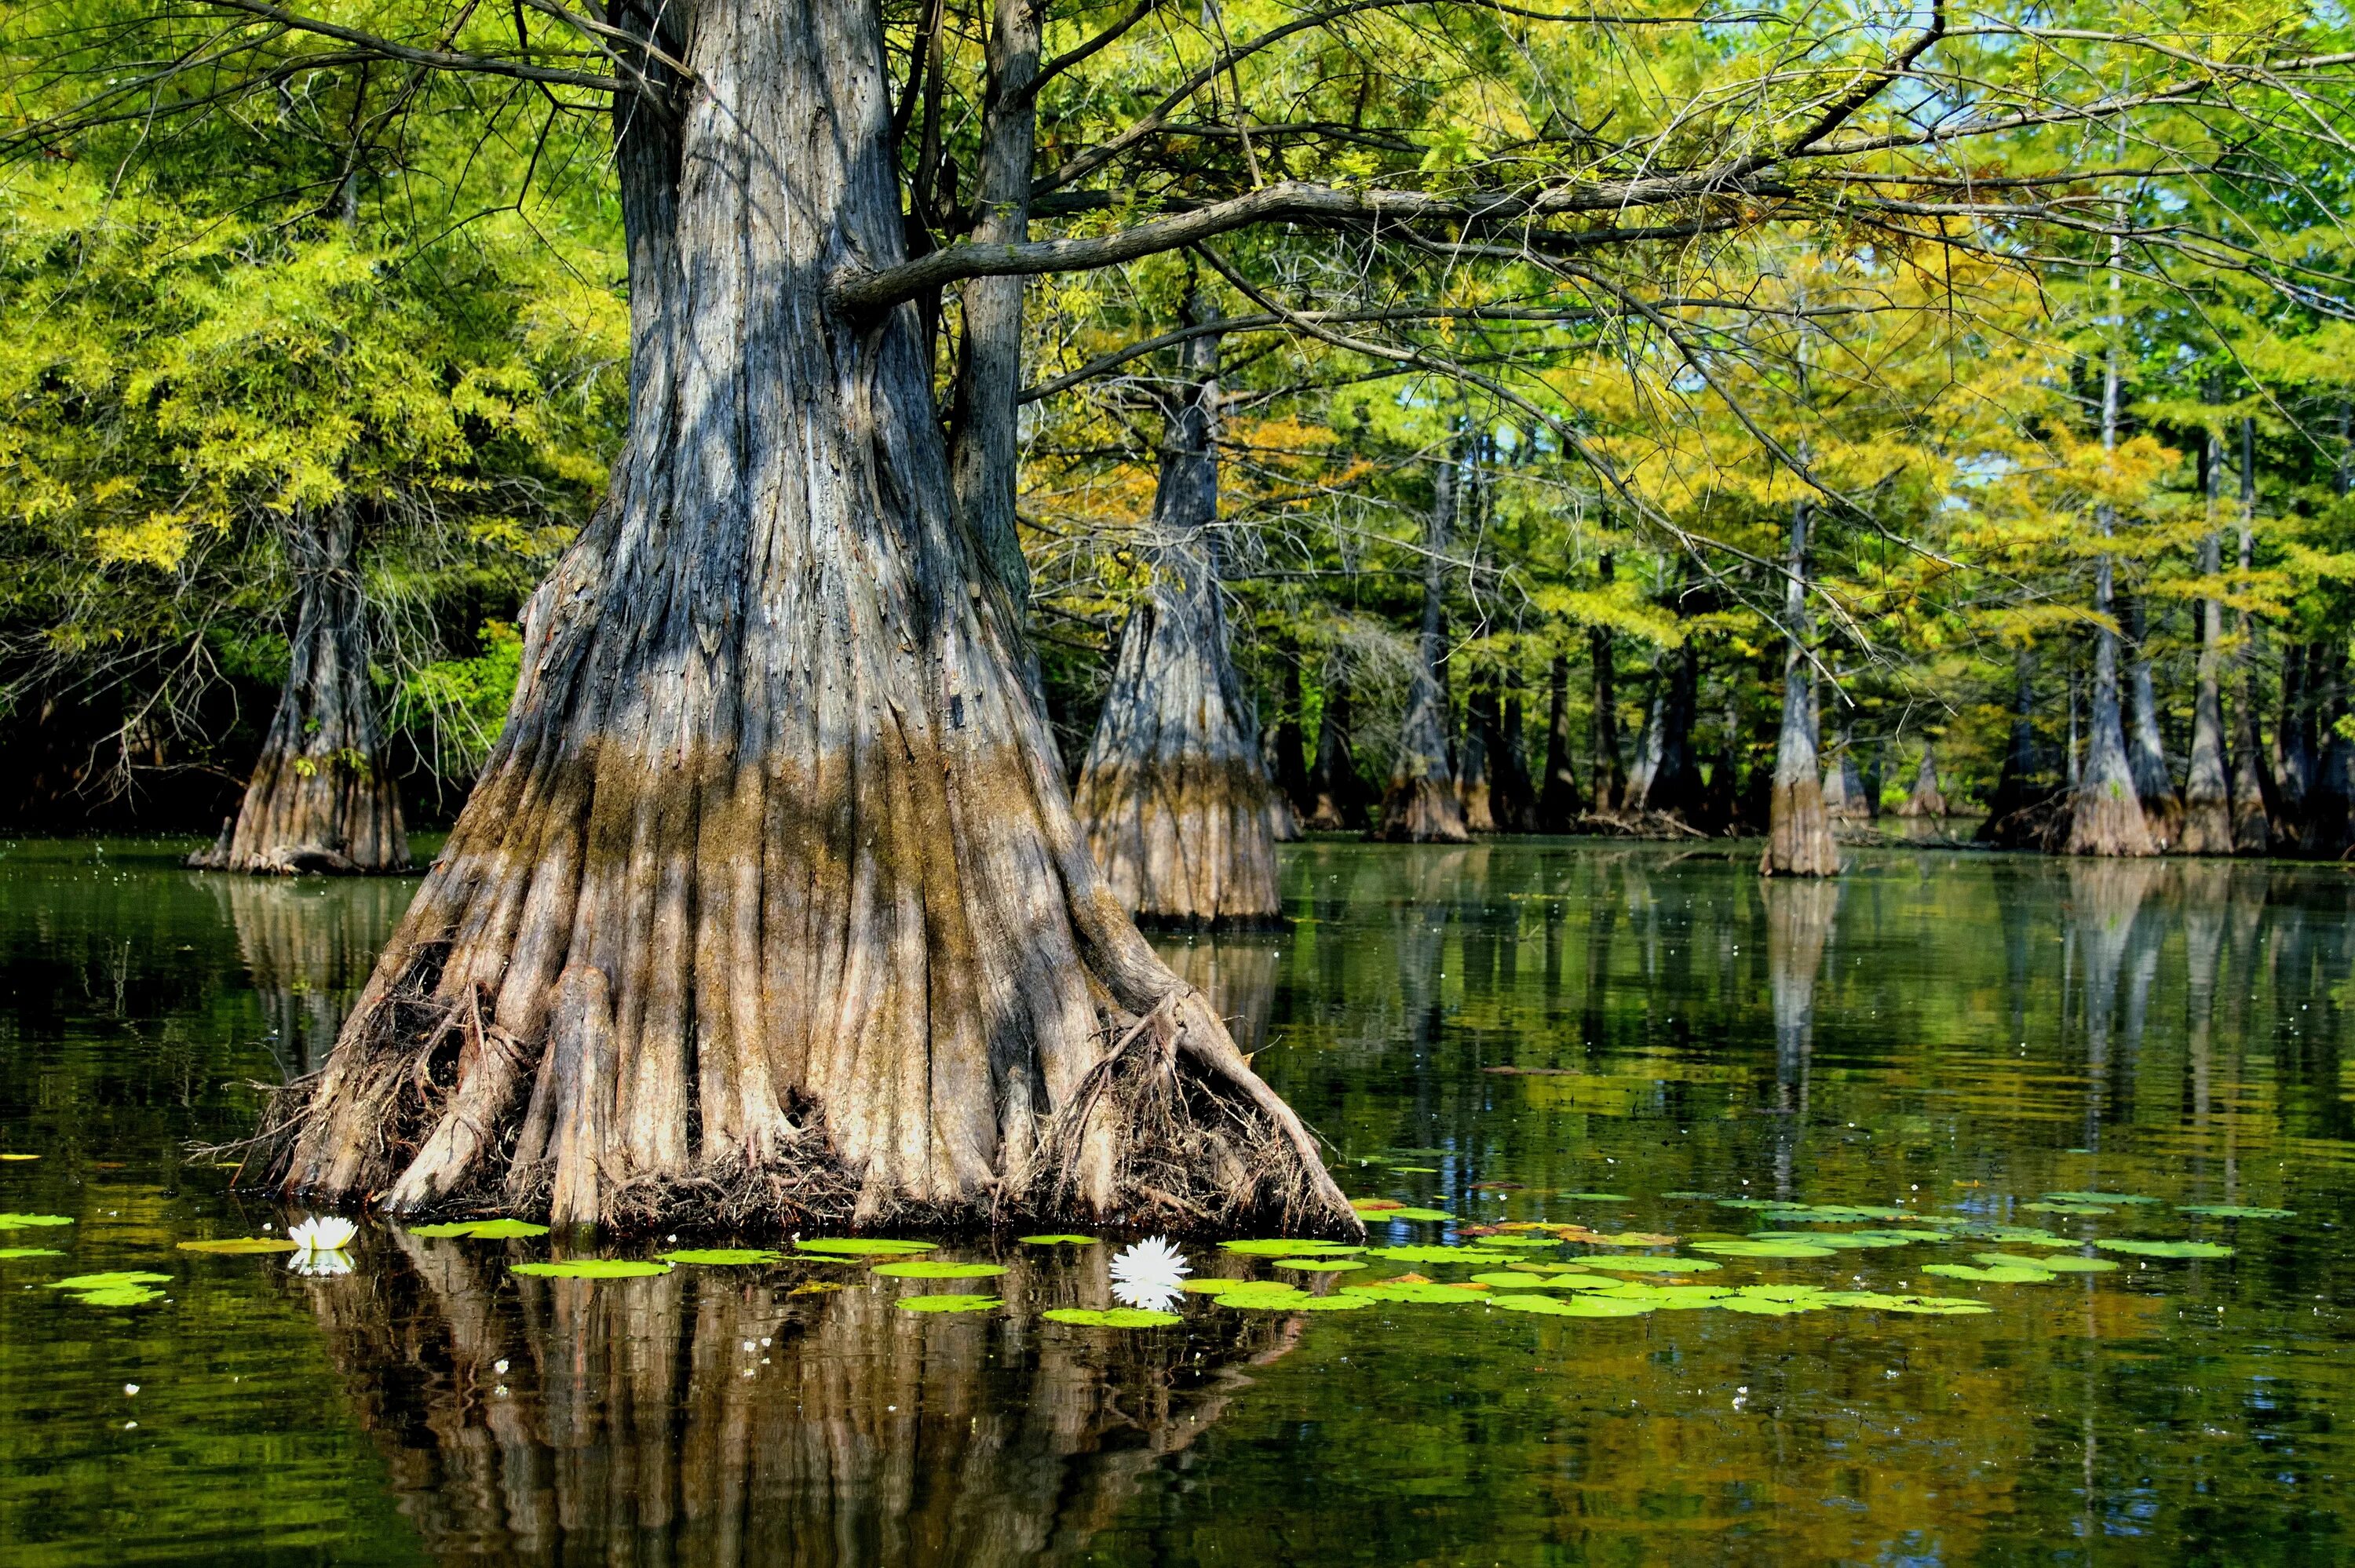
pixel 1439 1254
pixel 1674 1297
pixel 30 1252
pixel 1905 1235
pixel 1111 1317
pixel 1416 1170
pixel 1320 1264
pixel 109 1281
pixel 239 1246
pixel 1276 1247
pixel 1693 1197
pixel 1935 1306
pixel 2097 1198
pixel 1419 1292
pixel 2085 1211
pixel 30 1222
pixel 2236 1211
pixel 861 1246
pixel 2163 1248
pixel 1572 1305
pixel 593 1268
pixel 948 1303
pixel 1996 1274
pixel 1201 1286
pixel 1778 1292
pixel 1763 1249
pixel 117 1296
pixel 1544 1282
pixel 721 1257
pixel 2058 1263
pixel 1431 1216
pixel 1057 1241
pixel 2017 1236
pixel 1534 1243
pixel 939 1269
pixel 1650 1262
pixel 482 1230
pixel 1289 1301
pixel 1767 1307
pixel 1839 1241
pixel 1598 1197
pixel 816 1286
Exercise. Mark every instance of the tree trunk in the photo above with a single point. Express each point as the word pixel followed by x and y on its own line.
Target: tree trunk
pixel 2162 808
pixel 2207 786
pixel 1338 795
pixel 1558 801
pixel 1289 771
pixel 1843 785
pixel 1510 794
pixel 2330 800
pixel 1798 830
pixel 1927 799
pixel 1473 786
pixel 321 797
pixel 1421 806
pixel 1173 796
pixel 2015 785
pixel 2105 814
pixel 773 798
pixel 1670 774
pixel 1605 766
pixel 2255 803
pixel 2293 749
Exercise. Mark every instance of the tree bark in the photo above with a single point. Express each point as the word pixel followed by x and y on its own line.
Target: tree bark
pixel 1474 788
pixel 1670 781
pixel 2207 784
pixel 1511 796
pixel 1927 799
pixel 2293 747
pixel 321 797
pixel 1798 828
pixel 1604 766
pixel 2162 808
pixel 2255 803
pixel 1174 794
pixel 1843 784
pixel 1339 796
pixel 1421 806
pixel 2105 814
pixel 2015 786
pixel 1289 770
pixel 1558 801
pixel 773 773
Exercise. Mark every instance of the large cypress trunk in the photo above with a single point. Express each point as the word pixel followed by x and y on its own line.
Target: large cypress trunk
pixel 1606 766
pixel 321 797
pixel 1670 775
pixel 770 906
pixel 1474 788
pixel 2293 747
pixel 1511 796
pixel 1288 770
pixel 1558 801
pixel 1927 799
pixel 2255 802
pixel 2106 811
pixel 2162 808
pixel 1421 806
pixel 2017 786
pixel 1844 799
pixel 1798 830
pixel 2207 786
pixel 1174 793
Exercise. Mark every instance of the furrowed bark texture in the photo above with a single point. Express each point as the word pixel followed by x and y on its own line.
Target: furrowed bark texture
pixel 2207 786
pixel 2162 808
pixel 1668 778
pixel 321 797
pixel 1927 799
pixel 1174 793
pixel 1844 799
pixel 1798 828
pixel 1421 806
pixel 1558 798
pixel 2106 812
pixel 2256 800
pixel 770 906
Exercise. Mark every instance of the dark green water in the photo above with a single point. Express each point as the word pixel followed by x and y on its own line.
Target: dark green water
pixel 1955 1035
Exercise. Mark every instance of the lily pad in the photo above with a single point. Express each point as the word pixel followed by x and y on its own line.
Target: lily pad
pixel 2132 1249
pixel 1057 1241
pixel 939 1269
pixel 1320 1264
pixel 109 1281
pixel 593 1268
pixel 948 1303
pixel 1905 1235
pixel 816 1286
pixel 1275 1246
pixel 1416 1170
pixel 2085 1211
pixel 1692 1197
pixel 1439 1254
pixel 1625 1238
pixel 2017 1236
pixel 1778 1292
pixel 1201 1286
pixel 239 1246
pixel 2097 1198
pixel 16 1157
pixel 1763 1249
pixel 1431 1216
pixel 2058 1263
pixel 1598 1197
pixel 1674 1297
pixel 1289 1301
pixel 720 1256
pixel 32 1221
pixel 1995 1274
pixel 1535 1243
pixel 1544 1282
pixel 1649 1263
pixel 1935 1306
pixel 1840 1241
pixel 30 1252
pixel 482 1230
pixel 861 1246
pixel 1572 1306
pixel 117 1296
pixel 2236 1211
pixel 1111 1317
pixel 1769 1306
pixel 1421 1292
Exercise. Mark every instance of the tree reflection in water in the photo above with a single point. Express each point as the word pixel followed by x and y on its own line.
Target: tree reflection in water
pixel 308 945
pixel 711 1416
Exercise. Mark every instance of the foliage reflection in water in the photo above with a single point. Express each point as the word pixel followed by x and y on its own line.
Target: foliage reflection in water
pixel 1597 1036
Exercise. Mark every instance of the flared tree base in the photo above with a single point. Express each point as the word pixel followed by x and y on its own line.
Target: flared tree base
pixel 1799 834
pixel 2107 819
pixel 1421 811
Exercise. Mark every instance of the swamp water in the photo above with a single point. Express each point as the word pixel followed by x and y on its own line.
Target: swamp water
pixel 1572 1033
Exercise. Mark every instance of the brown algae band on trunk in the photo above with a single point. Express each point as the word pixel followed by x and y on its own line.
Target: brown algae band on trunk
pixel 770 906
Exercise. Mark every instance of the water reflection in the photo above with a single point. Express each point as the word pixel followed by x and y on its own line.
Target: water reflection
pixel 1799 915
pixel 711 1418
pixel 308 945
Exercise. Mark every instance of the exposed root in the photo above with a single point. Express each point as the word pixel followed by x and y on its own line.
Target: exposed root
pixel 1636 824
pixel 1164 1135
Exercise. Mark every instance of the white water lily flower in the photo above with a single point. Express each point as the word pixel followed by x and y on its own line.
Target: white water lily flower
pixel 320 1265
pixel 324 1235
pixel 1149 1275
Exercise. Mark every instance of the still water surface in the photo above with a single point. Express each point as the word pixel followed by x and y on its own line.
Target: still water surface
pixel 1953 1034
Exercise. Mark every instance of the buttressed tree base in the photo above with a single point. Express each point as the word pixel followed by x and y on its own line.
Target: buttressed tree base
pixel 770 905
